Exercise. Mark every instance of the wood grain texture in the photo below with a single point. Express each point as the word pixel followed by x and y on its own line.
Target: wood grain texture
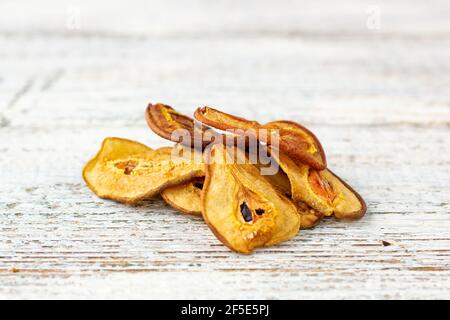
pixel 377 99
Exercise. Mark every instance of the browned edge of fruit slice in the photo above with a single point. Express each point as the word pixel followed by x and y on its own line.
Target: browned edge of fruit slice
pixel 345 214
pixel 223 121
pixel 299 143
pixel 127 171
pixel 186 197
pixel 165 121
pixel 242 208
pixel 322 190
pixel 292 138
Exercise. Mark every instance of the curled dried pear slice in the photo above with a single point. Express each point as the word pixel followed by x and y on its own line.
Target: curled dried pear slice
pixel 128 171
pixel 185 197
pixel 299 143
pixel 242 208
pixel 291 138
pixel 322 190
pixel 223 121
pixel 165 121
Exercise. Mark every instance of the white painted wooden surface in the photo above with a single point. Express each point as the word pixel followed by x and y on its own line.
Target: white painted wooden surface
pixel 378 99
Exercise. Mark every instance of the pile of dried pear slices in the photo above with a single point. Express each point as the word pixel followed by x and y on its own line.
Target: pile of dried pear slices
pixel 242 207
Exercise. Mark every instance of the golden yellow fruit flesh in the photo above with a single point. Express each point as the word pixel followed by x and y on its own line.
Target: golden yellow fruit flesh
pixel 128 171
pixel 322 190
pixel 309 216
pixel 185 197
pixel 242 208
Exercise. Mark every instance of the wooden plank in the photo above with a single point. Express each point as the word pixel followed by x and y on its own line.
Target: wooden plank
pixel 184 19
pixel 378 100
pixel 229 285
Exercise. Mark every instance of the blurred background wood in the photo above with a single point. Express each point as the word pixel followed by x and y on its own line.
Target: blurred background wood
pixel 370 78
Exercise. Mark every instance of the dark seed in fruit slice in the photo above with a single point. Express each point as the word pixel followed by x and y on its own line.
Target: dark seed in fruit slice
pixel 246 213
pixel 259 211
pixel 198 185
pixel 231 193
pixel 128 171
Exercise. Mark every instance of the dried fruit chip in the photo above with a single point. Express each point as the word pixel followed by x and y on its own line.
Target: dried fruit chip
pixel 224 121
pixel 292 138
pixel 165 121
pixel 322 190
pixel 309 216
pixel 185 197
pixel 299 143
pixel 127 171
pixel 242 208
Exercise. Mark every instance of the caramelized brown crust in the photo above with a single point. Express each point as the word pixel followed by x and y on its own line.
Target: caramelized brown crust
pixel 292 138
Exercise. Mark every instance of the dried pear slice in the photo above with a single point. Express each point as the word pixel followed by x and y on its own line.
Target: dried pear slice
pixel 224 121
pixel 165 121
pixel 299 143
pixel 292 138
pixel 128 171
pixel 185 197
pixel 322 190
pixel 242 208
pixel 309 216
